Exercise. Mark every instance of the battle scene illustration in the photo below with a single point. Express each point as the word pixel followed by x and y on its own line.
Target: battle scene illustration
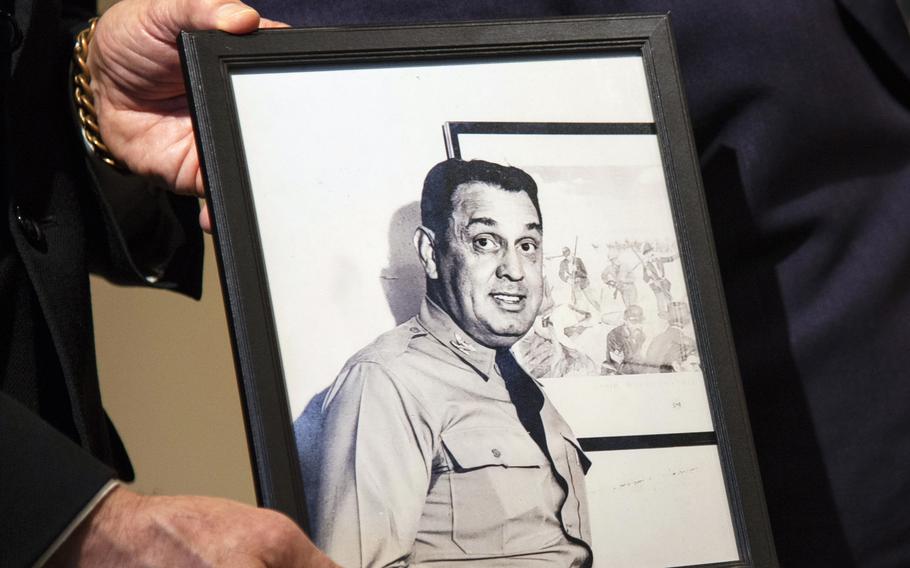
pixel 612 308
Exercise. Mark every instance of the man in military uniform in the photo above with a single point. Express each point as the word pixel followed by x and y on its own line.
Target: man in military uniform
pixel 572 270
pixel 618 277
pixel 624 344
pixel 435 446
pixel 654 274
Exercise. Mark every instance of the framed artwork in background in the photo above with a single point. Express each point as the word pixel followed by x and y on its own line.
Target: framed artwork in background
pixel 344 169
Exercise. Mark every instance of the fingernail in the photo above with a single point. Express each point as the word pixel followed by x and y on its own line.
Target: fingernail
pixel 233 11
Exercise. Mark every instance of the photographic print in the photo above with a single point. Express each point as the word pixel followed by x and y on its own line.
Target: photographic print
pixel 471 322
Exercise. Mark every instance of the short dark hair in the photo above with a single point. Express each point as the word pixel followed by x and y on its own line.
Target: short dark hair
pixel 445 177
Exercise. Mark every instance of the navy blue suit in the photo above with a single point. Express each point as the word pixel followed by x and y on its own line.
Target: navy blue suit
pixel 801 112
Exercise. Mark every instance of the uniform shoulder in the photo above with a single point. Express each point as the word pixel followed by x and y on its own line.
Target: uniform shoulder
pixel 380 364
pixel 389 346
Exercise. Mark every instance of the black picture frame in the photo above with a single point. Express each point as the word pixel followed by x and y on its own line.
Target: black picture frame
pixel 210 61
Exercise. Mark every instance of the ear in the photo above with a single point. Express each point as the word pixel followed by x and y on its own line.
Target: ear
pixel 425 243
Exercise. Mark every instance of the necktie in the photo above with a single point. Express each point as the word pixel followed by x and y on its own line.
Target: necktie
pixel 525 395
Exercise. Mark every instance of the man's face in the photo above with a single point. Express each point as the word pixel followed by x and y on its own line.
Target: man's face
pixel 489 267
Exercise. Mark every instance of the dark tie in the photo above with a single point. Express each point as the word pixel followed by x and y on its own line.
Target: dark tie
pixel 525 395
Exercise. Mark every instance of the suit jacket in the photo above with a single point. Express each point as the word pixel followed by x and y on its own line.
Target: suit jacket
pixel 800 112
pixel 63 215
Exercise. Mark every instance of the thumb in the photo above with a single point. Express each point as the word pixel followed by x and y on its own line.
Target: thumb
pixel 226 15
pixel 236 18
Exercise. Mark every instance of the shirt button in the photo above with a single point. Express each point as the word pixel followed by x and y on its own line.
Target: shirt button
pixel 414 329
pixel 496 453
pixel 10 34
pixel 30 229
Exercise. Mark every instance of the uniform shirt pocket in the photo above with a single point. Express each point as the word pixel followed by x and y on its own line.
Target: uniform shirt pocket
pixel 501 491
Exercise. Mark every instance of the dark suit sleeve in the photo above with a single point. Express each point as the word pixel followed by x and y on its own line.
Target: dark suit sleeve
pixel 141 234
pixel 138 233
pixel 36 455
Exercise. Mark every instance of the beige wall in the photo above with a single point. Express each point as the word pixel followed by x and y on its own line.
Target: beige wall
pixel 168 382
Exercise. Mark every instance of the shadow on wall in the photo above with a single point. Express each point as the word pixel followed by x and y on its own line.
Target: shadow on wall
pixel 403 278
pixel 403 285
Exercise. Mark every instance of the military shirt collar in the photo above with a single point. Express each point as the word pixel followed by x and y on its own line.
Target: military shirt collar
pixel 440 325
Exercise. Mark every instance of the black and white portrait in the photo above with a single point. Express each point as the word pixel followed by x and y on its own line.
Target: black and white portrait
pixel 482 313
pixel 484 470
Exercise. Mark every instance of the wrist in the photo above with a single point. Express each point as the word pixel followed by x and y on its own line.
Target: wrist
pixel 84 99
pixel 94 541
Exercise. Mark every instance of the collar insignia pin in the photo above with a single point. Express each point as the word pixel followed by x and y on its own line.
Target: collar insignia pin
pixel 461 344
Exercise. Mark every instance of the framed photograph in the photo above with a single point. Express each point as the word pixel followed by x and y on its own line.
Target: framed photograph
pixel 473 296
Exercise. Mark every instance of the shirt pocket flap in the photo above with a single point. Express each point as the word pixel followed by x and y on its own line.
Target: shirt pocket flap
pixel 483 447
pixel 585 462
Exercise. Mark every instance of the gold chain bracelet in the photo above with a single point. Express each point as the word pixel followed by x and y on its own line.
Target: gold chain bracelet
pixel 85 100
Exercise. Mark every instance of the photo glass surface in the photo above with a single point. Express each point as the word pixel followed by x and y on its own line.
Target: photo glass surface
pixel 337 156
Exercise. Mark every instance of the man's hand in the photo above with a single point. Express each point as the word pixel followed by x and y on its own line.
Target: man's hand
pixel 138 85
pixel 128 529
